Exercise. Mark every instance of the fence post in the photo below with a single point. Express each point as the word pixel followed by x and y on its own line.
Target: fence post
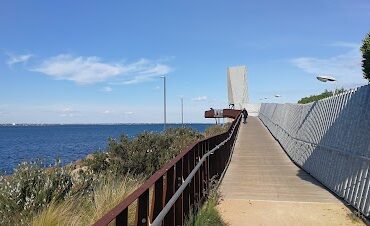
pixel 186 200
pixel 142 209
pixel 169 219
pixel 157 200
pixel 122 218
pixel 178 205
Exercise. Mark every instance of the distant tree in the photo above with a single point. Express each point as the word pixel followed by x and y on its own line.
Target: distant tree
pixel 365 49
pixel 325 94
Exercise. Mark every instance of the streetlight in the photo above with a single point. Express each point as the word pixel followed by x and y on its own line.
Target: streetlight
pixel 182 111
pixel 327 78
pixel 164 101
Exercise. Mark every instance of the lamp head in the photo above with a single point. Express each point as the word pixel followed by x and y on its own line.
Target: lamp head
pixel 326 78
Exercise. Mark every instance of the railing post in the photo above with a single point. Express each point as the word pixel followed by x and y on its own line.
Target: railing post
pixel 206 179
pixel 142 209
pixel 186 200
pixel 192 184
pixel 169 219
pixel 179 214
pixel 211 160
pixel 201 174
pixel 157 199
pixel 197 178
pixel 122 218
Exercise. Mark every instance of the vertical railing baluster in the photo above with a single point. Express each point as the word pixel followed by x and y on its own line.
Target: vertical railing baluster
pixel 122 218
pixel 201 174
pixel 143 209
pixel 197 177
pixel 206 167
pixel 204 189
pixel 178 205
pixel 157 199
pixel 192 183
pixel 170 188
pixel 186 200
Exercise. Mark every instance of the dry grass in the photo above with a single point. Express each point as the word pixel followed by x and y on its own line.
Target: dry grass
pixel 87 209
pixel 207 214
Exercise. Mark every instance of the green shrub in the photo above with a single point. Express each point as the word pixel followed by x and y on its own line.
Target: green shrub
pixel 30 189
pixel 144 154
pixel 365 49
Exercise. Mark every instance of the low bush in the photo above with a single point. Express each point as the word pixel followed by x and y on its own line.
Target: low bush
pixel 143 154
pixel 85 210
pixel 32 188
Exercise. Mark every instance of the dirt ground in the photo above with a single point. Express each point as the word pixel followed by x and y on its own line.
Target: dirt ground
pixel 247 212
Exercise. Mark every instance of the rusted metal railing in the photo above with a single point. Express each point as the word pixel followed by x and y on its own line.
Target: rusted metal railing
pixel 180 186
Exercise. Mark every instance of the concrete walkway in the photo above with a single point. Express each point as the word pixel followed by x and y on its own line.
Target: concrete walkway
pixel 263 187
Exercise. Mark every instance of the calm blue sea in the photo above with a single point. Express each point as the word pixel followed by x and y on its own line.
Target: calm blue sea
pixel 67 142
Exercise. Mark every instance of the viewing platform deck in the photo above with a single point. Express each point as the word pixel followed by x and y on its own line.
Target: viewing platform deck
pixel 262 186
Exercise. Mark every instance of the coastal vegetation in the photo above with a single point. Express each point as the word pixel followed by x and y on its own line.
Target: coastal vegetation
pixel 325 94
pixel 80 193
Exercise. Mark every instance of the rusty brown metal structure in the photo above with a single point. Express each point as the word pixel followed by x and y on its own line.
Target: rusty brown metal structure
pixel 197 164
pixel 227 113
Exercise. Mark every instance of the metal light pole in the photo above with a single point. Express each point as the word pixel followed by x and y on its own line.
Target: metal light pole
pixel 182 111
pixel 164 101
pixel 326 78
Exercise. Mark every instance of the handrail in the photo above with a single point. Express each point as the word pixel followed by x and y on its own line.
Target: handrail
pixel 171 202
pixel 168 186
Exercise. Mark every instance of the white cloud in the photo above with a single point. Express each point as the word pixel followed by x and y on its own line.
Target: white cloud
pixel 67 112
pixel 200 98
pixel 107 89
pixel 128 113
pixel 148 74
pixel 345 44
pixel 89 70
pixel 345 67
pixel 15 59
pixel 106 112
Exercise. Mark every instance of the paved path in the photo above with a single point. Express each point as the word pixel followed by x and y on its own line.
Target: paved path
pixel 263 187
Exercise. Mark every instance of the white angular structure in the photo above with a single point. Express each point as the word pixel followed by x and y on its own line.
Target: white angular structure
pixel 237 86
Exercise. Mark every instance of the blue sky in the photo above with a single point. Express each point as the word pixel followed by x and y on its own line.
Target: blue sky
pixel 101 61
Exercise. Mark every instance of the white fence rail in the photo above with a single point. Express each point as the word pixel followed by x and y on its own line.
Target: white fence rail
pixel 330 139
